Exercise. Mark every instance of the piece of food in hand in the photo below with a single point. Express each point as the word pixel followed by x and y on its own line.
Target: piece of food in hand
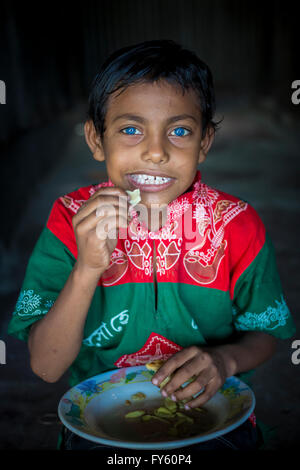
pixel 155 365
pixel 135 196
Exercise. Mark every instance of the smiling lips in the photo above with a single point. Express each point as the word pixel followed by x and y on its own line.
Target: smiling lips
pixel 150 183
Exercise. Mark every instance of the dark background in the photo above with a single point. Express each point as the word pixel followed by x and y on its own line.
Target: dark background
pixel 49 54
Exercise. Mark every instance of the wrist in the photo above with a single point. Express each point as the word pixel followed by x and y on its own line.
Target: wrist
pixel 85 275
pixel 229 360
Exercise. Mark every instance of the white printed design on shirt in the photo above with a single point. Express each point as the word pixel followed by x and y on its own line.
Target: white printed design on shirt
pixel 107 331
pixel 31 304
pixel 166 257
pixel 203 260
pixel 72 204
pixel 139 256
pixel 117 268
pixel 270 319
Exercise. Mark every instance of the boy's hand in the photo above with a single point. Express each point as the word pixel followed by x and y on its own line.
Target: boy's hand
pixel 96 226
pixel 207 366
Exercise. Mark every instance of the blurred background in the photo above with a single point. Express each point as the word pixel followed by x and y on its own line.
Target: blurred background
pixel 49 54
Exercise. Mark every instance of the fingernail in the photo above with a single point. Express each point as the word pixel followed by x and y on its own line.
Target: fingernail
pixel 173 397
pixel 164 393
pixel 154 381
pixel 186 407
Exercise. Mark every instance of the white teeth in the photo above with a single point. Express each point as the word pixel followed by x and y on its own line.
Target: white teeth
pixel 147 179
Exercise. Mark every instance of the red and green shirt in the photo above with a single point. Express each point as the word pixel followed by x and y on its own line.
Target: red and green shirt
pixel 216 275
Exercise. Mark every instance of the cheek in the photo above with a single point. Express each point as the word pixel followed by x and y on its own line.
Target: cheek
pixel 119 162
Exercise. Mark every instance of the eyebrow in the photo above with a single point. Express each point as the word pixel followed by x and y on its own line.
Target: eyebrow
pixel 134 117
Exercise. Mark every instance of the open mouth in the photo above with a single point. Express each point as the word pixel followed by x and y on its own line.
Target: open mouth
pixel 150 183
pixel 148 179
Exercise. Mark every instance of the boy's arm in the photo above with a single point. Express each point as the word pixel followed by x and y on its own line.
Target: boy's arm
pixel 249 351
pixel 55 340
pixel 211 366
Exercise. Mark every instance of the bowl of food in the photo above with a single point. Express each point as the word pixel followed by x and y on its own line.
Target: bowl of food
pixel 122 408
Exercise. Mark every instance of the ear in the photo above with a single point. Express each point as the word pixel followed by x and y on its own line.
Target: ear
pixel 94 141
pixel 206 143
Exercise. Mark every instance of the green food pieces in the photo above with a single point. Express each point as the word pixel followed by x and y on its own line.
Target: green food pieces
pixel 146 417
pixel 202 410
pixel 135 414
pixel 155 418
pixel 189 419
pixel 177 424
pixel 163 412
pixel 170 405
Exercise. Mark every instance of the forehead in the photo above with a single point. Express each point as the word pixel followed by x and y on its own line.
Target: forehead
pixel 152 100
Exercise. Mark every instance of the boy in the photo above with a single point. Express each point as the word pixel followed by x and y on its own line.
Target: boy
pixel 193 282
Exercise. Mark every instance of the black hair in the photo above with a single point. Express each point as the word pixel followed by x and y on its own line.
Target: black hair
pixel 151 61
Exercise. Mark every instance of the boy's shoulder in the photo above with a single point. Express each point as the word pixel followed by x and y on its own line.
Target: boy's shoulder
pixel 221 202
pixel 234 214
pixel 211 196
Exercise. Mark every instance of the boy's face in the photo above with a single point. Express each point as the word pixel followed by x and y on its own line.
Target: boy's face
pixel 152 129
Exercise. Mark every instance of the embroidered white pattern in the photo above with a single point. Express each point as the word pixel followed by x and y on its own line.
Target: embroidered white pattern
pixel 272 318
pixel 177 208
pixel 203 194
pixel 72 204
pixel 30 304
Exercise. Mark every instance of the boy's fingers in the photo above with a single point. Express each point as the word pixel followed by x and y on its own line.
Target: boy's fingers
pixel 115 203
pixel 173 363
pixel 199 383
pixel 109 210
pixel 110 191
pixel 116 216
pixel 181 376
pixel 108 227
pixel 115 192
pixel 209 391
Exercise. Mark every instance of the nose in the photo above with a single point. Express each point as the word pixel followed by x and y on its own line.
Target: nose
pixel 155 149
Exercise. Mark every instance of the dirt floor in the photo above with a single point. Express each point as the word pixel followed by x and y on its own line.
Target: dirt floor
pixel 255 156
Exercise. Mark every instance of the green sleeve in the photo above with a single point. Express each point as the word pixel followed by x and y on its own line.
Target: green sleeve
pixel 258 303
pixel 47 272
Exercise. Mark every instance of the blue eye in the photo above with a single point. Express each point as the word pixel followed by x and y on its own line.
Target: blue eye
pixel 130 131
pixel 180 132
